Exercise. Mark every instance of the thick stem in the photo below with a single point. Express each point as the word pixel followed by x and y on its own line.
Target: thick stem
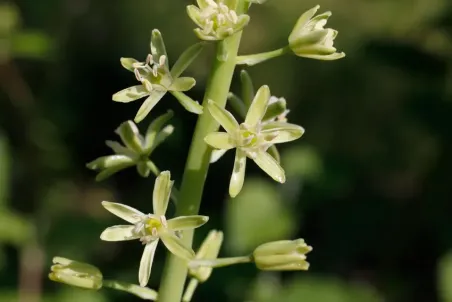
pixel 195 173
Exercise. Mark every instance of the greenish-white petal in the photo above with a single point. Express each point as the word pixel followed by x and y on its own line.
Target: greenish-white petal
pixel 187 222
pixel 242 21
pixel 331 57
pixel 238 173
pixel 216 155
pixel 247 88
pixel 187 57
pixel 120 149
pixel 148 104
pixel 223 117
pixel 129 214
pixel 302 21
pixel 182 84
pixel 144 293
pixel 187 102
pixel 175 245
pixel 154 128
pixel 282 132
pixel 270 166
pixel 119 233
pixel 128 63
pixel 273 151
pixel 130 94
pixel 130 136
pixel 258 107
pixel 203 4
pixel 162 136
pixel 110 161
pixel 158 47
pixel 104 174
pixel 220 140
pixel 146 262
pixel 162 192
pixel 199 33
pixel 275 108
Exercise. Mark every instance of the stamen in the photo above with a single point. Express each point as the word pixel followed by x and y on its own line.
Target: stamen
pixel 149 59
pixel 154 232
pixel 147 85
pixel 163 221
pixel 221 19
pixel 138 75
pixel 162 60
pixel 233 16
pixel 212 3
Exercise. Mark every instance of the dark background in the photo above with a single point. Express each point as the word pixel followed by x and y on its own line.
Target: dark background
pixel 369 183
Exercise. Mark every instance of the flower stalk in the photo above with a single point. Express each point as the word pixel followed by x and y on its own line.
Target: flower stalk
pixel 175 270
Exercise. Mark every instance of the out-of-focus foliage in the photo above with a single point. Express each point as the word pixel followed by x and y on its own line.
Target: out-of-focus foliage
pixel 368 184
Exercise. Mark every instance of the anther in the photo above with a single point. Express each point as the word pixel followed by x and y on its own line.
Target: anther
pixel 162 60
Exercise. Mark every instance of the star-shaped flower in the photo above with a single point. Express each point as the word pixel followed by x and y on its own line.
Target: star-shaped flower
pixel 252 138
pixel 310 39
pixel 150 228
pixel 135 149
pixel 217 19
pixel 156 78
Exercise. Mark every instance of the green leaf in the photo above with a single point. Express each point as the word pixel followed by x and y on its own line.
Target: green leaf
pixel 258 107
pixel 182 84
pixel 188 103
pixel 162 193
pixel 247 88
pixel 181 223
pixel 128 63
pixel 119 233
pixel 176 246
pixel 146 262
pixel 238 173
pixel 270 166
pixel 130 136
pixel 154 129
pixel 130 94
pixel 223 117
pixel 129 214
pixel 158 47
pixel 148 104
pixel 186 58
pixel 220 140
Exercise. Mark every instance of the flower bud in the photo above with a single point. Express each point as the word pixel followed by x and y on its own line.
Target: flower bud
pixel 310 39
pixel 282 255
pixel 208 251
pixel 75 273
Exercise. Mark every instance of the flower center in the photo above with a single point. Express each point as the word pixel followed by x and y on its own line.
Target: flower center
pixel 218 16
pixel 152 71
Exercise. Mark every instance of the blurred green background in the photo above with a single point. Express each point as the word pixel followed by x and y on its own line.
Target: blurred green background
pixel 369 184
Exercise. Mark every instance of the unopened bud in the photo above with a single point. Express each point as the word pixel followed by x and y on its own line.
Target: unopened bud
pixel 75 273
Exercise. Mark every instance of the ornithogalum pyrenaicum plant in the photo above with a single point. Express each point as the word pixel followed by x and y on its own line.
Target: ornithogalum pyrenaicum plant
pixel 219 23
pixel 135 149
pixel 150 228
pixel 157 79
pixel 251 139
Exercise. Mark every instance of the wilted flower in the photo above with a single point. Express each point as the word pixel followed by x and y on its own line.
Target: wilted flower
pixel 251 139
pixel 156 80
pixel 75 273
pixel 135 150
pixel 208 250
pixel 310 40
pixel 282 255
pixel 150 228
pixel 217 19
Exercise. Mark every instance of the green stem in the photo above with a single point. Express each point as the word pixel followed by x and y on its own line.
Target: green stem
pixel 195 173
pixel 192 285
pixel 251 60
pixel 221 262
